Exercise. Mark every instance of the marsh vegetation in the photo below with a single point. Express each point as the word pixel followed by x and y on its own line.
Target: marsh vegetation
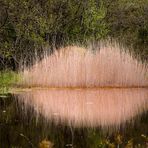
pixel 73 73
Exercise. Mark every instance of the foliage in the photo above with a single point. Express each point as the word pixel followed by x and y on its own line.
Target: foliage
pixel 7 79
pixel 128 23
pixel 26 26
pixel 46 144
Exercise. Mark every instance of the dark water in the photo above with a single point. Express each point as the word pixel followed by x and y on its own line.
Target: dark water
pixel 19 128
pixel 92 107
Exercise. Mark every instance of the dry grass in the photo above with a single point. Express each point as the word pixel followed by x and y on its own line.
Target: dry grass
pixel 116 86
pixel 73 66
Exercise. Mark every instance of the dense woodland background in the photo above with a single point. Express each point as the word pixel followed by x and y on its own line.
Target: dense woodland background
pixel 28 26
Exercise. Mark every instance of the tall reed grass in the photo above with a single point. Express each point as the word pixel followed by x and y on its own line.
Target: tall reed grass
pixel 74 66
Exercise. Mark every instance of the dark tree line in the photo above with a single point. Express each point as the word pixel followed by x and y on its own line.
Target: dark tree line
pixel 28 26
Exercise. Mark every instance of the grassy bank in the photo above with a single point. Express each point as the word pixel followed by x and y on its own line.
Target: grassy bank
pixel 7 80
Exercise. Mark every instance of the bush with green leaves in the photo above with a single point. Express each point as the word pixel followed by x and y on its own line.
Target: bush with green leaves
pixel 29 25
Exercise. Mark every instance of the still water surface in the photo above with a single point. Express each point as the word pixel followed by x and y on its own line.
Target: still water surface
pixel 77 118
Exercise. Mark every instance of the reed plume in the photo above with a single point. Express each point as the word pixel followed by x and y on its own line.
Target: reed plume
pixel 73 66
pixel 78 67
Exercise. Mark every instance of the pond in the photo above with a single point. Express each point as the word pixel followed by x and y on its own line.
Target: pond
pixel 78 98
pixel 75 118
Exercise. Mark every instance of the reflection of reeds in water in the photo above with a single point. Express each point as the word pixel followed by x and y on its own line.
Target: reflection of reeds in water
pixel 90 107
pixel 77 67
pixel 74 67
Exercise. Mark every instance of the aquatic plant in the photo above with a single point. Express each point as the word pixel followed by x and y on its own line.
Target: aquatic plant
pixel 84 87
pixel 73 66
